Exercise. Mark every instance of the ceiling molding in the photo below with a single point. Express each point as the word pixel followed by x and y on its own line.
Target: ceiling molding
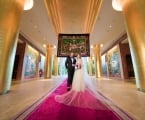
pixel 117 41
pixel 93 13
pixel 24 39
pixel 53 14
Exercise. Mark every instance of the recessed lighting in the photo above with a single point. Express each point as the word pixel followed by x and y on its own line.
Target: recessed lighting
pixel 35 26
pixel 44 45
pixel 110 26
pixel 44 38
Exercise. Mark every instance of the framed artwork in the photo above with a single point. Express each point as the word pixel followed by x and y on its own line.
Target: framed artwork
pixel 31 57
pixel 76 43
pixel 104 65
pixel 114 63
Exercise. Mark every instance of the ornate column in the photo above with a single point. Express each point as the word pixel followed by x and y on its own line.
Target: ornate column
pixel 10 15
pixel 97 56
pixel 48 61
pixel 90 66
pixel 134 15
pixel 55 65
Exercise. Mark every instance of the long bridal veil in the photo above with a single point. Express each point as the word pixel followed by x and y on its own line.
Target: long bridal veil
pixel 88 96
pixel 83 92
pixel 89 82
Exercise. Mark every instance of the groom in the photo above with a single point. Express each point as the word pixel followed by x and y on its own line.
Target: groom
pixel 70 66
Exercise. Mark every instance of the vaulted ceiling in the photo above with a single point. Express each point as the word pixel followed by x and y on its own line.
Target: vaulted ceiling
pixel 47 18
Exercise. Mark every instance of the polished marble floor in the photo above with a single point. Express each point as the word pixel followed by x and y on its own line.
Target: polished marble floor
pixel 22 95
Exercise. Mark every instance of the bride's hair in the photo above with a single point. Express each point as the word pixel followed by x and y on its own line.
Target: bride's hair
pixel 79 55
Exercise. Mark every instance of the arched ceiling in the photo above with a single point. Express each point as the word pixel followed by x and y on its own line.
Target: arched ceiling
pixel 47 18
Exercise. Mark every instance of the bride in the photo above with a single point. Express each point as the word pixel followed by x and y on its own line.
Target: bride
pixel 83 91
pixel 84 95
pixel 78 79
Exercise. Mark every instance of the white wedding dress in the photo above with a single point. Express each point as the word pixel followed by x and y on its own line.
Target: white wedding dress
pixel 83 91
pixel 78 79
pixel 84 95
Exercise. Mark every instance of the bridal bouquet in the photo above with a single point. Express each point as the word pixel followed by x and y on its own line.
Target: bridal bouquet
pixel 78 66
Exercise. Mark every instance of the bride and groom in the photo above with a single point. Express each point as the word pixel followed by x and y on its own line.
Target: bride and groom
pixel 84 96
pixel 75 72
pixel 81 90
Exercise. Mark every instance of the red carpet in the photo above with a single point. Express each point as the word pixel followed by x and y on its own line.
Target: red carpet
pixel 49 109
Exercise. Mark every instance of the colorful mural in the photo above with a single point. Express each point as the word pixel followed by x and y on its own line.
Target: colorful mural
pixel 104 65
pixel 114 62
pixel 30 64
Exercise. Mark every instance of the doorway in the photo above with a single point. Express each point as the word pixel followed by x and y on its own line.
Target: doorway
pixel 129 66
pixel 15 69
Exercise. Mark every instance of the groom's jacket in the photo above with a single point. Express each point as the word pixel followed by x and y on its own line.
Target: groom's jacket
pixel 69 61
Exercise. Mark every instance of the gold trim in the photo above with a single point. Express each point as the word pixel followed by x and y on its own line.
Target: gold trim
pixel 93 13
pixel 53 14
pixel 97 56
pixel 133 11
pixel 48 61
pixel 11 12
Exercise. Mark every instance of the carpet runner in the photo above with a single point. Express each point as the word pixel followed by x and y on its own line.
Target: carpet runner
pixel 48 109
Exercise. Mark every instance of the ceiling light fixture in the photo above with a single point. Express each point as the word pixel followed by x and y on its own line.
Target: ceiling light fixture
pixel 116 5
pixel 44 38
pixel 110 26
pixel 44 45
pixel 54 47
pixel 101 45
pixel 35 26
pixel 28 4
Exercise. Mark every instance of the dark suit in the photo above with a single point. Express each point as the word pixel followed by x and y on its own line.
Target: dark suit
pixel 70 69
